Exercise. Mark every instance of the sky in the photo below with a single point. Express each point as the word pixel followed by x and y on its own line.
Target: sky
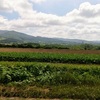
pixel 72 19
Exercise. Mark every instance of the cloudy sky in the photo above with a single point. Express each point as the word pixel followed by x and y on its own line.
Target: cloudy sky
pixel 74 19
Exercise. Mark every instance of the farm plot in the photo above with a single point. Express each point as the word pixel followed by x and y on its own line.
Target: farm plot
pixel 65 51
pixel 49 75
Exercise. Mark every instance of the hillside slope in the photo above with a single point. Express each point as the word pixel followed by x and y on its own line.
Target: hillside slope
pixel 18 37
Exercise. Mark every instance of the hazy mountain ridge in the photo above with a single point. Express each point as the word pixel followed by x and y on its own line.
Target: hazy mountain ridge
pixel 18 37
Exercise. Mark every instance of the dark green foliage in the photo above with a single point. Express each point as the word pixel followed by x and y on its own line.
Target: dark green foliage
pixel 50 80
pixel 35 45
pixel 51 46
pixel 51 57
pixel 48 74
pixel 39 80
pixel 98 48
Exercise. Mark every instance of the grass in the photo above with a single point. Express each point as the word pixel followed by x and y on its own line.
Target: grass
pixel 16 98
pixel 61 92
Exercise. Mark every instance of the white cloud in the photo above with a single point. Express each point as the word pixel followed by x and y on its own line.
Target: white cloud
pixel 38 1
pixel 88 10
pixel 82 23
pixel 4 6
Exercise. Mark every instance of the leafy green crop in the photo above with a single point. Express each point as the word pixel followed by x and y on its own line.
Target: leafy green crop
pixel 50 74
pixel 49 80
pixel 51 57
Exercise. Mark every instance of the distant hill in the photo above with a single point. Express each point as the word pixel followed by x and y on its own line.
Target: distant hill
pixel 18 37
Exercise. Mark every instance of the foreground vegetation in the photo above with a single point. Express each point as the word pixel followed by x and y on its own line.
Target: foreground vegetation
pixel 61 92
pixel 49 80
pixel 50 74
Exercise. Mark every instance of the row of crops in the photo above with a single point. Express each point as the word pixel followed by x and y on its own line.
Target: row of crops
pixel 49 73
pixel 51 57
pixel 52 74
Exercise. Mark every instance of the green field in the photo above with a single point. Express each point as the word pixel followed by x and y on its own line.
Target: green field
pixel 50 75
pixel 51 57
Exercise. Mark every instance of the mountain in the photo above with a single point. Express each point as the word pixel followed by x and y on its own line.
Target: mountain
pixel 13 36
pixel 18 37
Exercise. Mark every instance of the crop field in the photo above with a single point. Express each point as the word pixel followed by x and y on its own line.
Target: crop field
pixel 51 57
pixel 50 75
pixel 65 51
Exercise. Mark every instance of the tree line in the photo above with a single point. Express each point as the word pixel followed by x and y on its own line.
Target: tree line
pixel 52 46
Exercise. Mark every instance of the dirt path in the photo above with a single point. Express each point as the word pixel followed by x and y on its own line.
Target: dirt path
pixel 16 98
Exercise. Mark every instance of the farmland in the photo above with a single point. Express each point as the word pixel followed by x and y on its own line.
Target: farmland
pixel 65 51
pixel 50 73
pixel 51 57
